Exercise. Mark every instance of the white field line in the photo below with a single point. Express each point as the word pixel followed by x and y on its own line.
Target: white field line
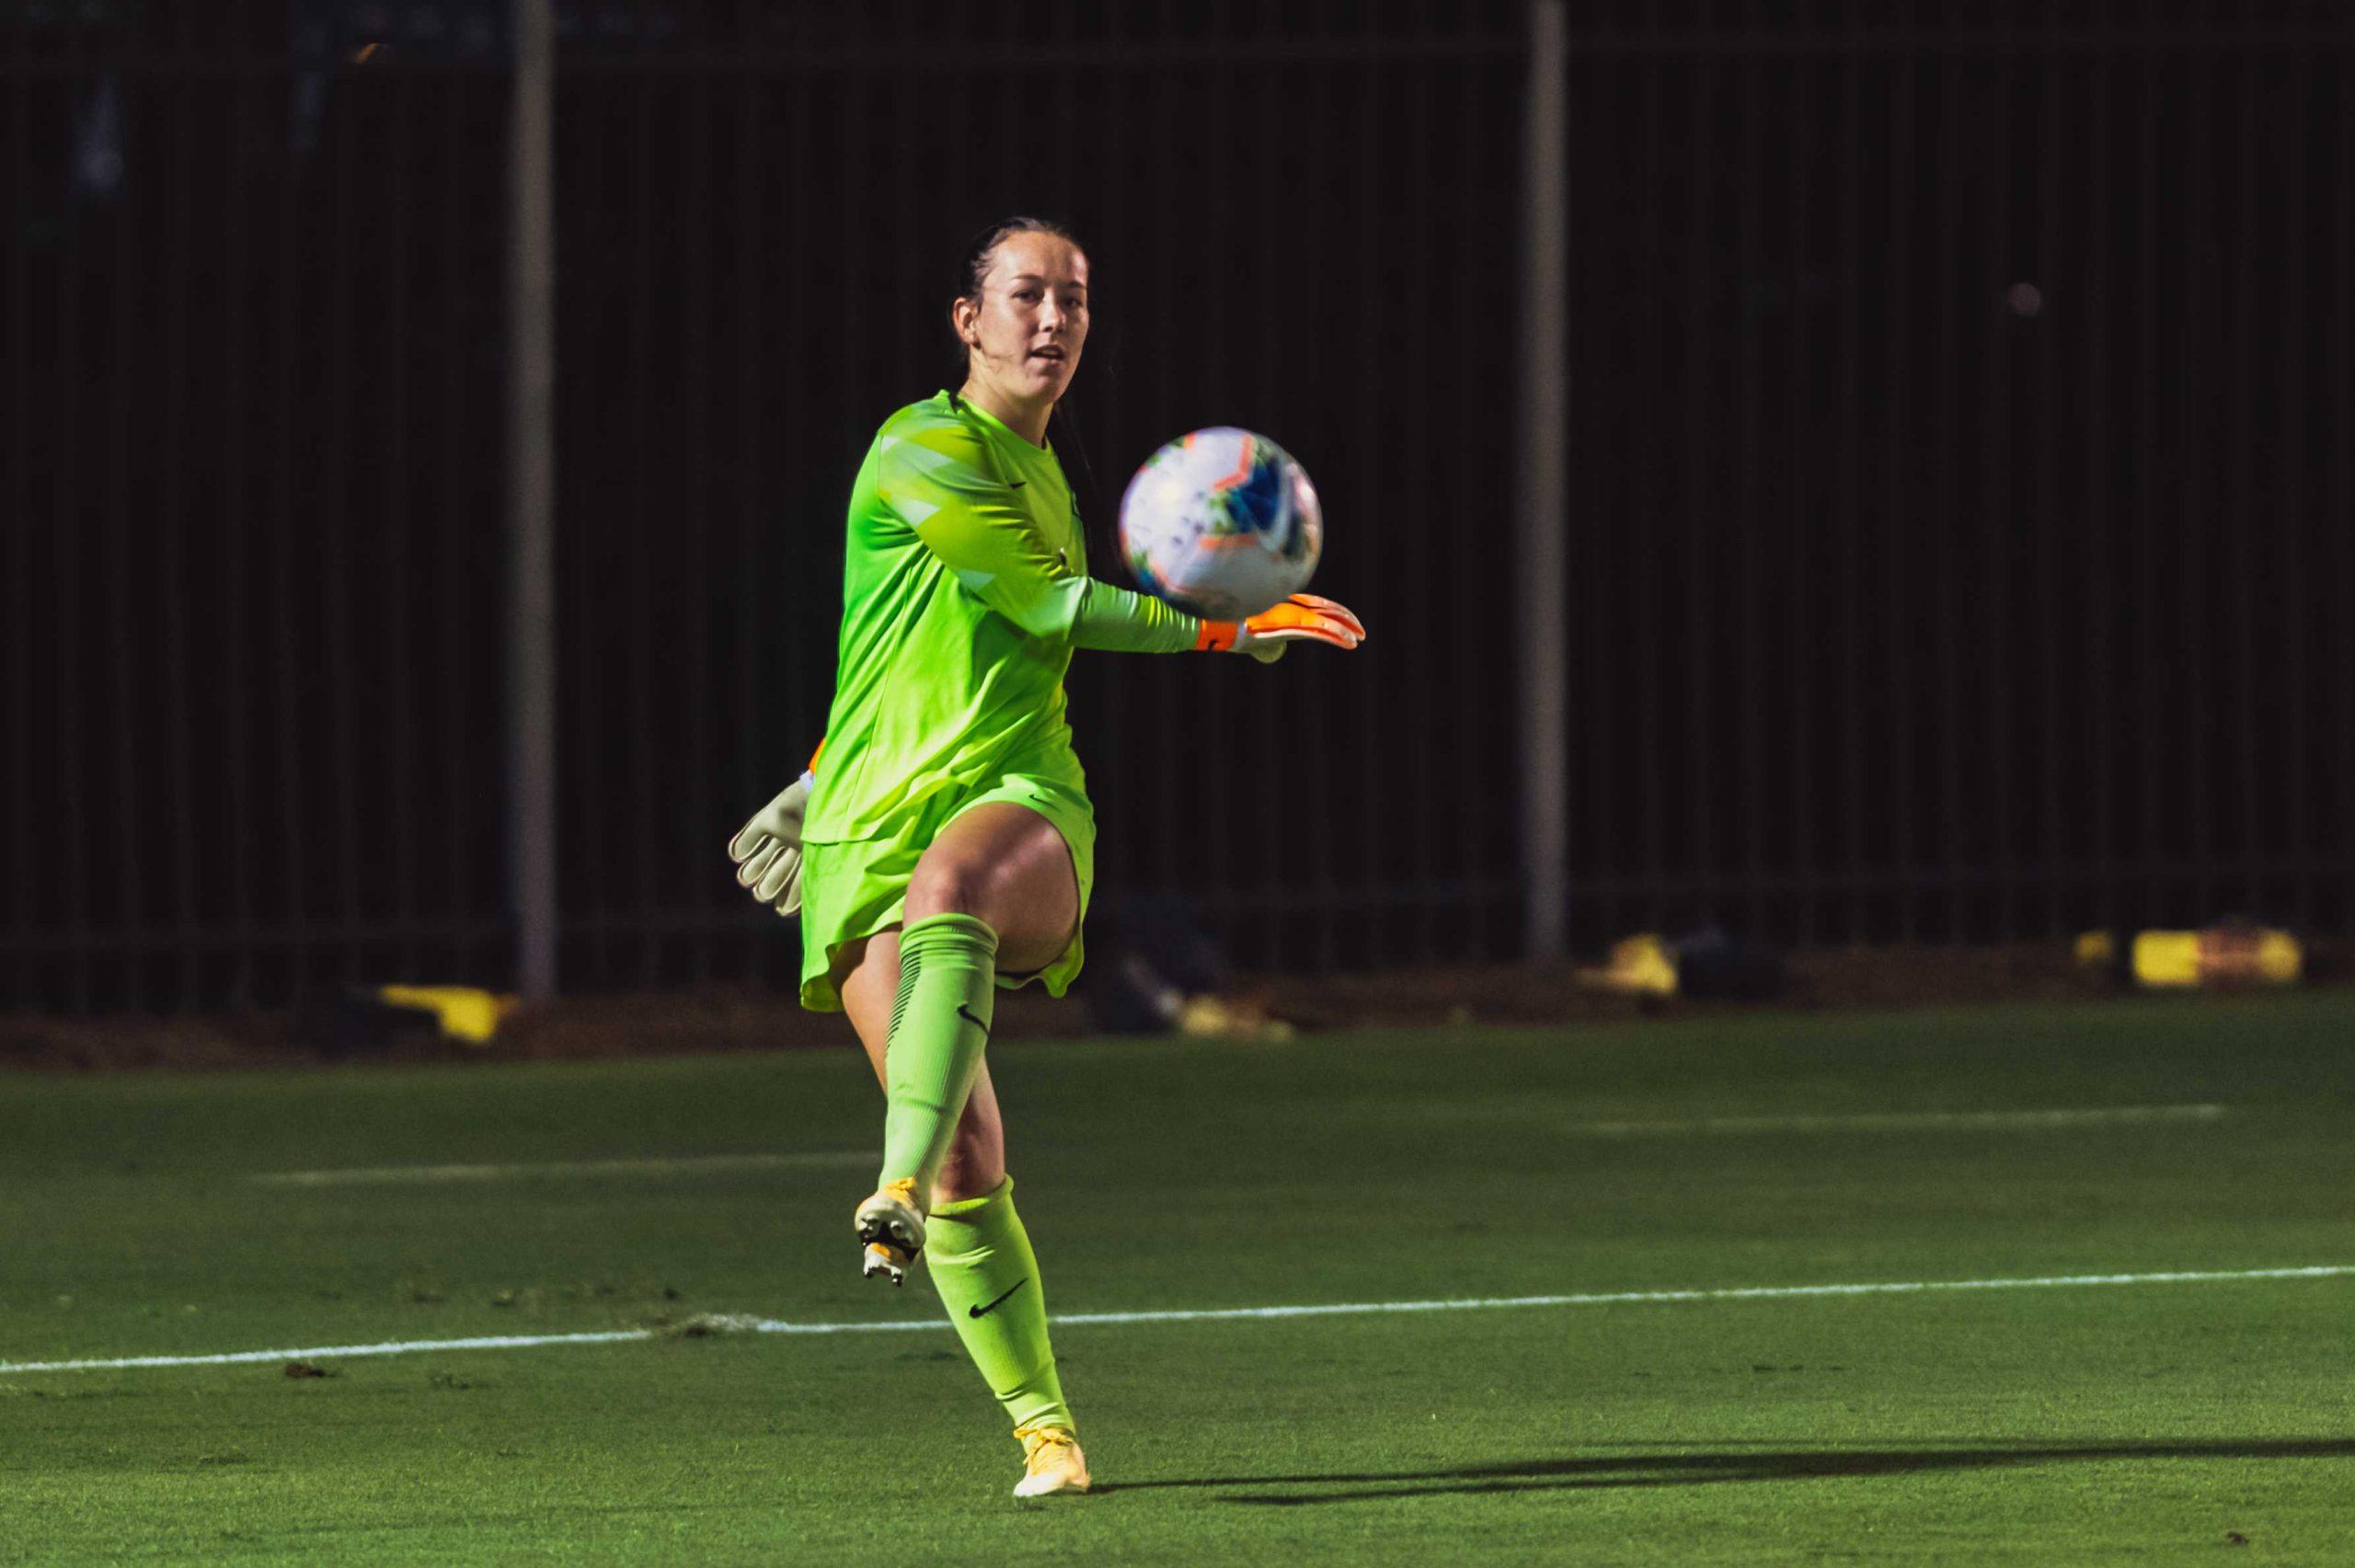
pixel 1207 1315
pixel 1912 1121
pixel 685 1165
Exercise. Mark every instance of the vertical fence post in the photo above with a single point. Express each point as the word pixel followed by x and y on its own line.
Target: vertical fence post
pixel 1542 574
pixel 531 499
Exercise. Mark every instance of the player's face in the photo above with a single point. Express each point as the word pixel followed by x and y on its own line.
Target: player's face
pixel 1032 319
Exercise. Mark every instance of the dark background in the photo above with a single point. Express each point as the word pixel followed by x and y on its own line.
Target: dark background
pixel 1903 604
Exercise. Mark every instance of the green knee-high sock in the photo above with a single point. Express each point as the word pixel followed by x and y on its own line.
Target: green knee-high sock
pixel 987 1276
pixel 940 1020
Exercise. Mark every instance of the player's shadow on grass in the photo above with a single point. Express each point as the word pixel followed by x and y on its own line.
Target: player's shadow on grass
pixel 1717 1469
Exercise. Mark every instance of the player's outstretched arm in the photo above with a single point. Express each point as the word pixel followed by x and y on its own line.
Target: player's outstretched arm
pixel 942 483
pixel 1305 617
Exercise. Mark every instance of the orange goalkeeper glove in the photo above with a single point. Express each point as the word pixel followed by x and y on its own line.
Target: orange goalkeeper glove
pixel 1302 617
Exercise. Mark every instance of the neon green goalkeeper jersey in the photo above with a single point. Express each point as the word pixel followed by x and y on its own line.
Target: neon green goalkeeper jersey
pixel 965 591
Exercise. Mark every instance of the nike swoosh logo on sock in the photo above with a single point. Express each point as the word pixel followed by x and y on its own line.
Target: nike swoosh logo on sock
pixel 1015 484
pixel 967 1014
pixel 986 1312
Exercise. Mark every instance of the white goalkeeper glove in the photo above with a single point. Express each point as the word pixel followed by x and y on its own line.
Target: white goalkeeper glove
pixel 1302 617
pixel 767 850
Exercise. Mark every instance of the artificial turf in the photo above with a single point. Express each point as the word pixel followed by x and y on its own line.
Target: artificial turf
pixel 2150 1422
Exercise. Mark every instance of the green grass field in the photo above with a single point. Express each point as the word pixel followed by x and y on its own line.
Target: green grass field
pixel 2150 1421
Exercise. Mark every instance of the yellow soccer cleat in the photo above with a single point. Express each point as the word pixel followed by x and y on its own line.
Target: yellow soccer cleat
pixel 1051 1463
pixel 891 1224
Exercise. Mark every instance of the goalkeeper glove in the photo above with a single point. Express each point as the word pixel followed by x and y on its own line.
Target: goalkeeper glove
pixel 767 850
pixel 1304 616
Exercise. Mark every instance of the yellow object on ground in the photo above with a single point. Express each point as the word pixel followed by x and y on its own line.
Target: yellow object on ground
pixel 1224 1018
pixel 2221 955
pixel 1640 965
pixel 464 1013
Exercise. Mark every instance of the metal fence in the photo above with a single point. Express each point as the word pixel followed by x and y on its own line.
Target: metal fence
pixel 1958 450
pixel 253 550
pixel 1962 503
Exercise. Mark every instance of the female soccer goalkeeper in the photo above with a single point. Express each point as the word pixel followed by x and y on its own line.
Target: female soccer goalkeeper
pixel 946 847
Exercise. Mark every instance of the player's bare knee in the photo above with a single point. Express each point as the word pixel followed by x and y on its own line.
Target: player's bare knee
pixel 945 887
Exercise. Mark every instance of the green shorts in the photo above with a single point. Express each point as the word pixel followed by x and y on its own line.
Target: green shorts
pixel 850 891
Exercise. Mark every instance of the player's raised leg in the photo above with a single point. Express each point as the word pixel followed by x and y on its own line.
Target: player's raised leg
pixel 943 999
pixel 996 883
pixel 974 1161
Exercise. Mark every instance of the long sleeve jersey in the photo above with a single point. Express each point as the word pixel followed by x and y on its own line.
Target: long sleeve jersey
pixel 965 590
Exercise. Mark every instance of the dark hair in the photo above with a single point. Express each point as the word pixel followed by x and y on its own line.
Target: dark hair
pixel 976 265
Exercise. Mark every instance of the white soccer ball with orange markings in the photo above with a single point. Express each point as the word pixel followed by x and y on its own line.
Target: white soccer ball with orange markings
pixel 1221 523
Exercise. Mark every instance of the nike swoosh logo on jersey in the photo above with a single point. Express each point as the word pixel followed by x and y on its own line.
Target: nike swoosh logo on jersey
pixel 986 1312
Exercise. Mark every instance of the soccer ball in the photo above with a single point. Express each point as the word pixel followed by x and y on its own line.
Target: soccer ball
pixel 1223 523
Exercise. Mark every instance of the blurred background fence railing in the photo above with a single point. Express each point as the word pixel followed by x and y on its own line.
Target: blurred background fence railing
pixel 1963 529
pixel 1962 535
